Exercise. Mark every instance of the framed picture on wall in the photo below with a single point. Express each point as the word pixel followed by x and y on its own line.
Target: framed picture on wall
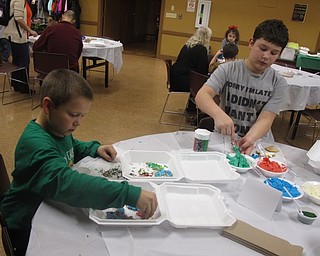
pixel 203 13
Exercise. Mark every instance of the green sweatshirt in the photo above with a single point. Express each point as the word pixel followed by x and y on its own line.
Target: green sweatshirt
pixel 42 171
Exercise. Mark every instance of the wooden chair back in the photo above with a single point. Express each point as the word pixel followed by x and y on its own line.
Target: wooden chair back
pixel 197 80
pixel 45 62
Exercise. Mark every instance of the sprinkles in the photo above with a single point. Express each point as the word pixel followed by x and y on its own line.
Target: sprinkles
pixel 149 169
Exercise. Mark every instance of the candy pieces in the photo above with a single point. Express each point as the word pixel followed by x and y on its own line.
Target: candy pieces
pixel 149 169
pixel 124 213
pixel 279 184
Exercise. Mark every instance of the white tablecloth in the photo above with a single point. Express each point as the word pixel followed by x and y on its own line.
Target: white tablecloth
pixel 303 89
pixel 106 49
pixel 111 51
pixel 59 229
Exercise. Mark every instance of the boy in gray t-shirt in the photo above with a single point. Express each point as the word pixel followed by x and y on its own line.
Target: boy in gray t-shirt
pixel 250 91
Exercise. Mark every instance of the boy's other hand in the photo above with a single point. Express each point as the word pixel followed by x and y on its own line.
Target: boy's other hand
pixel 147 203
pixel 108 152
pixel 246 144
pixel 224 125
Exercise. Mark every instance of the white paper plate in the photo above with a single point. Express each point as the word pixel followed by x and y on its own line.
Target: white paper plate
pixel 183 205
pixel 287 74
pixel 206 167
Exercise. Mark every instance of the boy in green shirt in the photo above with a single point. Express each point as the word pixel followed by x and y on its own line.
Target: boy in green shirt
pixel 45 153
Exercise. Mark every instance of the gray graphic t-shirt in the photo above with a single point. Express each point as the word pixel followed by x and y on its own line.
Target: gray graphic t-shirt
pixel 243 94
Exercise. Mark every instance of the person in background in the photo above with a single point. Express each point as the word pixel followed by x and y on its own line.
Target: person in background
pixel 5 48
pixel 232 36
pixel 17 32
pixel 45 154
pixel 63 38
pixel 250 91
pixel 230 52
pixel 192 56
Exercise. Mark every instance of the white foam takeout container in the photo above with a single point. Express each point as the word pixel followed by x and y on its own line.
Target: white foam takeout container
pixel 193 167
pixel 314 157
pixel 184 205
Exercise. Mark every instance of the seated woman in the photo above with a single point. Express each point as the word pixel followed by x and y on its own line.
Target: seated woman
pixel 192 56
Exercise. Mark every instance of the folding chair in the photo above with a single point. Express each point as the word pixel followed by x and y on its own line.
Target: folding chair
pixel 44 63
pixel 6 68
pixel 170 92
pixel 197 80
pixel 313 117
pixel 4 186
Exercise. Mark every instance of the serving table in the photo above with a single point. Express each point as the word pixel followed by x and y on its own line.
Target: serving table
pixel 101 51
pixel 59 229
pixel 303 90
pixel 308 62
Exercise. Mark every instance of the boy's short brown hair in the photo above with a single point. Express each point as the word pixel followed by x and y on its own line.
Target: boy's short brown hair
pixel 61 85
pixel 273 31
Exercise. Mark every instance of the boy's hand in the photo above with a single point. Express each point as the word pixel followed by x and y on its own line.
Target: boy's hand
pixel 147 203
pixel 224 125
pixel 246 144
pixel 107 152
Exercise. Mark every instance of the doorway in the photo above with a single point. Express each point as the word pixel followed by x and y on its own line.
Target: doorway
pixel 134 22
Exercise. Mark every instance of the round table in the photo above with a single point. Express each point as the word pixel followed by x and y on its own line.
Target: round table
pixel 58 229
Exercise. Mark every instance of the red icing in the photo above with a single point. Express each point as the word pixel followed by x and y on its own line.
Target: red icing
pixel 271 166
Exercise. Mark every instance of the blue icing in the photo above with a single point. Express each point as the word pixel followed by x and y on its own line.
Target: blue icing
pixel 279 184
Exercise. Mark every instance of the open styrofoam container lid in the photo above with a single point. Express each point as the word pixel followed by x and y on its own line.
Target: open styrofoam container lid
pixel 184 205
pixel 195 167
pixel 314 152
pixel 206 167
pixel 194 205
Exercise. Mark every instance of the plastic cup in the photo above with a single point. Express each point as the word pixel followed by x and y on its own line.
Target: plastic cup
pixel 201 140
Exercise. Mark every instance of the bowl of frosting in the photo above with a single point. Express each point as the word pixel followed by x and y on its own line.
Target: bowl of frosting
pixel 285 185
pixel 241 162
pixel 312 190
pixel 271 168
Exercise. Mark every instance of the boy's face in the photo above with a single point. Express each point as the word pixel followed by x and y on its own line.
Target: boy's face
pixel 65 119
pixel 262 55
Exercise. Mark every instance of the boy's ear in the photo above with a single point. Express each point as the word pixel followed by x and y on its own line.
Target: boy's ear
pixel 251 42
pixel 47 105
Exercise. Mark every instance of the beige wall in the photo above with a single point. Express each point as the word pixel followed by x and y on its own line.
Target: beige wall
pixel 89 17
pixel 245 14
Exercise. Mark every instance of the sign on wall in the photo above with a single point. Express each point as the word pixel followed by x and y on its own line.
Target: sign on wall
pixel 191 5
pixel 203 13
pixel 299 12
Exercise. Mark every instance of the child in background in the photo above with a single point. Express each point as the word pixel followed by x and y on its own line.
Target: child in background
pixel 232 36
pixel 230 52
pixel 45 154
